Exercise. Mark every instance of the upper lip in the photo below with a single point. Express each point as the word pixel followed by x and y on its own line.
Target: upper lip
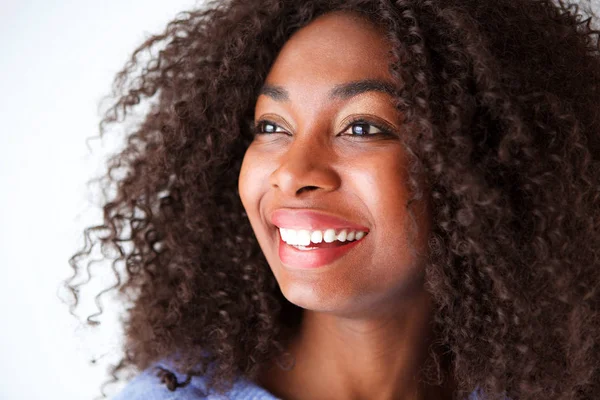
pixel 310 219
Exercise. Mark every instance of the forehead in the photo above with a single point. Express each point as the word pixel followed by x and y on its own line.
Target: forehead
pixel 335 48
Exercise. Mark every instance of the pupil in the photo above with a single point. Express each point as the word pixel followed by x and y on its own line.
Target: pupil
pixel 360 129
pixel 269 128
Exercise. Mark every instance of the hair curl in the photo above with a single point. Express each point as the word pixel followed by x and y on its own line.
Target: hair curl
pixel 502 97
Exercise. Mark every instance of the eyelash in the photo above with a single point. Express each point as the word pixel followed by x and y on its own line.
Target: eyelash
pixel 383 131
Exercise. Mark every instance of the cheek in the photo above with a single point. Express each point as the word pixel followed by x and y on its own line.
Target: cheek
pixel 384 188
pixel 249 180
pixel 253 185
pixel 382 181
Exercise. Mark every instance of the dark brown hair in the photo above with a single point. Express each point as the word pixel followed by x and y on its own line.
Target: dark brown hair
pixel 502 99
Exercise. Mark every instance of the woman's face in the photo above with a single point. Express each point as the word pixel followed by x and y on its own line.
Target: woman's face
pixel 327 164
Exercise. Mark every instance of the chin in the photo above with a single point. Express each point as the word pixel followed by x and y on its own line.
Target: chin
pixel 308 298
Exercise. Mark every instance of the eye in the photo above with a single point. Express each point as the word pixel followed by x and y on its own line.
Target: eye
pixel 361 128
pixel 268 127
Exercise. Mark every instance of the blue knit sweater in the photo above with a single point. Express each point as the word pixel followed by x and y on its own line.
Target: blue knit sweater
pixel 148 386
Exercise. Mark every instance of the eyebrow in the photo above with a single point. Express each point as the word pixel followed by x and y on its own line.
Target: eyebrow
pixel 277 93
pixel 343 91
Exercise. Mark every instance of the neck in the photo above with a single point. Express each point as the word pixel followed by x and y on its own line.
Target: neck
pixel 378 356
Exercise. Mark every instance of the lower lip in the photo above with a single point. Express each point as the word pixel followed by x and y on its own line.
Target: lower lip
pixel 309 259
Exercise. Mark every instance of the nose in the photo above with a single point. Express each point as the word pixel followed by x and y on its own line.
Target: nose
pixel 306 166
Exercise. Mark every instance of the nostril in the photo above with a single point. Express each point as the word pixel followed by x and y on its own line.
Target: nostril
pixel 306 189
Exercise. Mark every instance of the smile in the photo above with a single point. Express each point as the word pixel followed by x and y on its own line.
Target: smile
pixel 303 237
pixel 312 239
pixel 315 255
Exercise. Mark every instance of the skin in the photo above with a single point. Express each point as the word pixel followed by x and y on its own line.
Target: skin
pixel 365 328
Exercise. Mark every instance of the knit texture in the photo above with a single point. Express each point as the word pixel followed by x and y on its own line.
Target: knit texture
pixel 148 386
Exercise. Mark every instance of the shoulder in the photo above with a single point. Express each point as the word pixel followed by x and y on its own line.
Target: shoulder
pixel 148 386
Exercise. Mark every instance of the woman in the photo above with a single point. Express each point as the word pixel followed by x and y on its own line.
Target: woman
pixel 360 199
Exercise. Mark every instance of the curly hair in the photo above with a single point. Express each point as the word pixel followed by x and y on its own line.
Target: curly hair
pixel 502 99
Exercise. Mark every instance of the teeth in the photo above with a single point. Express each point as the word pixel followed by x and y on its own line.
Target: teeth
pixel 290 236
pixel 329 236
pixel 303 237
pixel 316 237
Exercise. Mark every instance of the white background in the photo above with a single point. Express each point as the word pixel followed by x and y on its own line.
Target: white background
pixel 57 61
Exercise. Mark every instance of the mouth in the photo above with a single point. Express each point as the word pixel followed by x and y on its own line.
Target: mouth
pixel 314 238
pixel 310 238
pixel 305 249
